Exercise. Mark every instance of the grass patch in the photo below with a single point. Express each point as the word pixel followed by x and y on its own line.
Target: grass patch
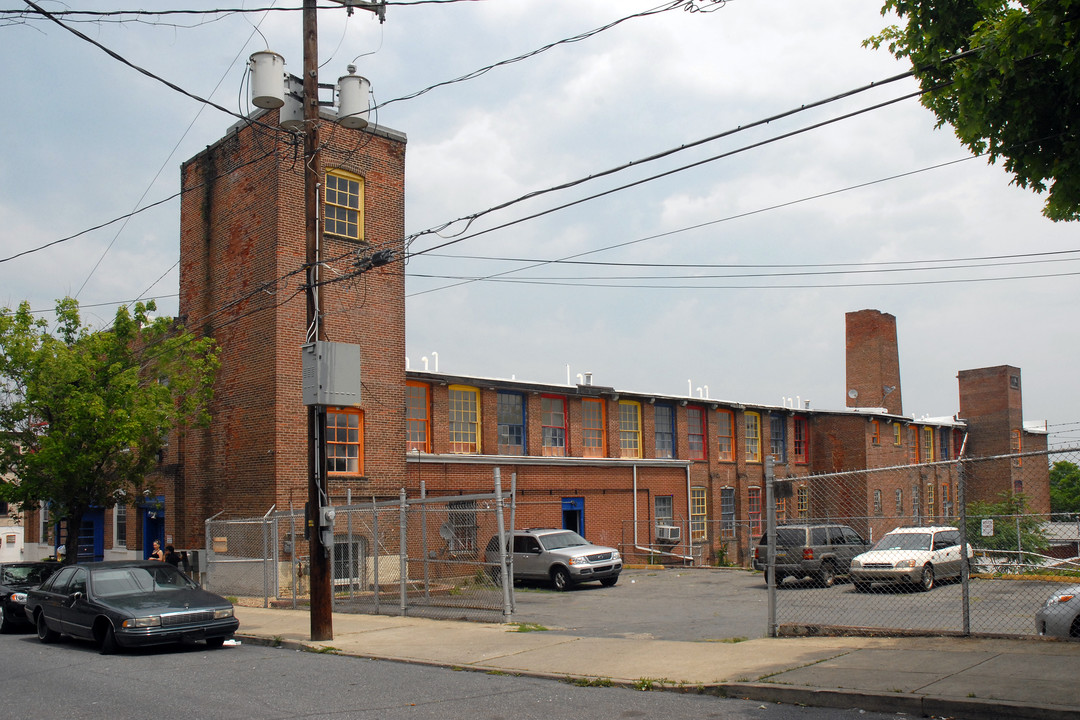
pixel 233 599
pixel 730 640
pixel 645 684
pixel 322 649
pixel 277 641
pixel 591 682
pixel 528 627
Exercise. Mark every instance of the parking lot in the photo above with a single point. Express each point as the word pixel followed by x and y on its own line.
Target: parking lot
pixel 716 604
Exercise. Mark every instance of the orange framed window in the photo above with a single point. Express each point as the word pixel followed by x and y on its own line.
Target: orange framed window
pixel 343 211
pixel 725 443
pixel 752 422
pixel 417 416
pixel 801 446
pixel 344 442
pixel 629 429
pixel 593 435
pixel 464 405
pixel 695 432
pixel 1016 447
pixel 875 432
pixel 553 423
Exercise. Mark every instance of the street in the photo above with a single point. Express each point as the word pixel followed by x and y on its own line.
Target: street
pixel 71 680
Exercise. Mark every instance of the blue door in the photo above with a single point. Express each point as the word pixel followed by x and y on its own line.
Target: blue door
pixel 90 542
pixel 153 526
pixel 573 514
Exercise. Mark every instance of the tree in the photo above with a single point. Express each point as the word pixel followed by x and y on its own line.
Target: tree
pixel 1014 90
pixel 84 414
pixel 1064 487
pixel 1008 514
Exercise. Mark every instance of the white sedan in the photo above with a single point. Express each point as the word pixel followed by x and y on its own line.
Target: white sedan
pixel 916 555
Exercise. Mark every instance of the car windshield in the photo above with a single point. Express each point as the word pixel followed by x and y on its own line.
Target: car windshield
pixel 904 541
pixel 562 540
pixel 25 574
pixel 109 582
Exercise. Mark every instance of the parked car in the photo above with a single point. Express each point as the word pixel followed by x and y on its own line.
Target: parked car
pixel 560 556
pixel 126 604
pixel 1060 614
pixel 916 555
pixel 820 551
pixel 15 579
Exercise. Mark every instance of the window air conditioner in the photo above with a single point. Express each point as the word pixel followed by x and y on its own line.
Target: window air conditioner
pixel 668 533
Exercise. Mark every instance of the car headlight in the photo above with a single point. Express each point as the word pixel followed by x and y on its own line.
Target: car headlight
pixel 143 622
pixel 579 560
pixel 904 564
pixel 19 597
pixel 1060 598
pixel 224 613
pixel 616 557
pixel 856 563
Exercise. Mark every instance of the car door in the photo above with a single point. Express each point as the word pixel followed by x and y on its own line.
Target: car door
pixel 52 597
pixel 527 558
pixel 77 613
pixel 947 550
pixel 853 545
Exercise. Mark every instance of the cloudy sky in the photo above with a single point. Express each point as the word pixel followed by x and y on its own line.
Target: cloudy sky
pixel 730 272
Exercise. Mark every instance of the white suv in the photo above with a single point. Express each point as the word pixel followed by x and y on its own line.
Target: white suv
pixel 918 555
pixel 561 556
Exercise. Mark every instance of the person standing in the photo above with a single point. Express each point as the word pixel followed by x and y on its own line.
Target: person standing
pixel 171 556
pixel 157 554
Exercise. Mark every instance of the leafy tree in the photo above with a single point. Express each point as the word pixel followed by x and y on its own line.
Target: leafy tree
pixel 1064 487
pixel 1014 90
pixel 84 414
pixel 1005 513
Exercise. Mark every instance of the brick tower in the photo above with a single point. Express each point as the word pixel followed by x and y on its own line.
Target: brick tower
pixel 873 361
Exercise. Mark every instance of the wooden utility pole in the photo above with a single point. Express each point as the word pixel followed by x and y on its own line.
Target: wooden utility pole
pixel 322 621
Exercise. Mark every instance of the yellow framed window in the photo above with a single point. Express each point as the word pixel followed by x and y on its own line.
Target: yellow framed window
pixel 803 499
pixel 343 211
pixel 897 434
pixel 593 436
pixel 698 509
pixel 753 510
pixel 344 442
pixel 629 429
pixel 464 403
pixel 752 422
pixel 417 417
pixel 926 450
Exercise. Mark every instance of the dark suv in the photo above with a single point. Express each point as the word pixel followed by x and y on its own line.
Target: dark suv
pixel 819 551
pixel 561 556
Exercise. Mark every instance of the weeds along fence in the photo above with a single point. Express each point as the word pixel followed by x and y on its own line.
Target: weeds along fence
pixel 427 556
pixel 970 556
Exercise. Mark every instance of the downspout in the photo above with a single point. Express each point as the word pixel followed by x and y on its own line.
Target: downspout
pixel 635 509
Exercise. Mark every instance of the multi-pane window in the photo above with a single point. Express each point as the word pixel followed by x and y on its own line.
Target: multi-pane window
pixel 877 502
pixel 511 412
pixel 727 512
pixel 946 500
pixel 697 514
pixel 916 508
pixel 778 437
pixel 43 522
pixel 899 502
pixel 593 433
pixel 553 423
pixel 464 407
pixel 930 508
pixel 629 429
pixel 1015 447
pixel 724 441
pixel 803 500
pixel 344 442
pixel 665 509
pixel 417 417
pixel 695 432
pixel 344 210
pixel 120 520
pixel 926 449
pixel 875 432
pixel 753 506
pixel 462 519
pixel 943 450
pixel 801 444
pixel 752 423
pixel 664 419
pixel 897 434
pixel 913 445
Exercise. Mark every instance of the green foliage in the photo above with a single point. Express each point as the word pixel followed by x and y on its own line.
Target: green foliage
pixel 1064 487
pixel 84 414
pixel 1005 513
pixel 1015 92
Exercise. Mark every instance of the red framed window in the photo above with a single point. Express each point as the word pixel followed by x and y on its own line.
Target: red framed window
pixel 417 417
pixel 553 421
pixel 801 445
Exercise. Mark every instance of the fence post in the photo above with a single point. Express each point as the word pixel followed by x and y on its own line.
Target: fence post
pixel 378 545
pixel 965 565
pixel 503 574
pixel 349 539
pixel 770 529
pixel 510 558
pixel 403 553
pixel 265 554
pixel 423 539
pixel 293 542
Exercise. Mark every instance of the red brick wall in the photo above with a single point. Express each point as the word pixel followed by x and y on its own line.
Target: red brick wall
pixel 873 361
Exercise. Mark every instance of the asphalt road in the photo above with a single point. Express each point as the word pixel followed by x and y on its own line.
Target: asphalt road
pixel 71 680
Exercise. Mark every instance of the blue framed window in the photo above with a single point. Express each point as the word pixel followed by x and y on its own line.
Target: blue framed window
pixel 511 414
pixel 778 437
pixel 664 419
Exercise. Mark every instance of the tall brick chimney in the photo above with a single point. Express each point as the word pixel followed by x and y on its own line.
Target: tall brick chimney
pixel 873 361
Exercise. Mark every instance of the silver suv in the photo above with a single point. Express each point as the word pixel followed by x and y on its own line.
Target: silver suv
pixel 561 556
pixel 820 551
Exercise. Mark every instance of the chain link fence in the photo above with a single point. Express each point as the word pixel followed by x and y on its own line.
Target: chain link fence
pixel 932 548
pixel 427 557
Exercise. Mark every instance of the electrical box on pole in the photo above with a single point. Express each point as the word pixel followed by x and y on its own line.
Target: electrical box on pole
pixel 331 374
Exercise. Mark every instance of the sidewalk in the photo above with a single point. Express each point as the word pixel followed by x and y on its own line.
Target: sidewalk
pixel 951 677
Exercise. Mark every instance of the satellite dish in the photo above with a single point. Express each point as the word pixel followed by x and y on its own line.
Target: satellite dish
pixel 853 393
pixel 446 532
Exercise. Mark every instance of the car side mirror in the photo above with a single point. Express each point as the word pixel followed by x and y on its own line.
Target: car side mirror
pixel 77 595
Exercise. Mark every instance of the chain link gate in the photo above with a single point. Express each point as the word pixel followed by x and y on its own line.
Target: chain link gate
pixel 428 557
pixel 909 549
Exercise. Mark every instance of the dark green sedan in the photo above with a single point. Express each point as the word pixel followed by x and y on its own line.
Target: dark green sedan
pixel 128 604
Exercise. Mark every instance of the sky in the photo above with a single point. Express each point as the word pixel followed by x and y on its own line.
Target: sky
pixel 721 270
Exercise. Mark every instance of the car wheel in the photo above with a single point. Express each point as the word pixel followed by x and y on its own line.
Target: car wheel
pixel 926 579
pixel 108 640
pixel 44 632
pixel 610 582
pixel 860 586
pixel 827 575
pixel 779 577
pixel 215 642
pixel 560 578
pixel 5 624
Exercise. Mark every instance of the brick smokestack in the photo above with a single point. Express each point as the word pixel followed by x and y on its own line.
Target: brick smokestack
pixel 873 361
